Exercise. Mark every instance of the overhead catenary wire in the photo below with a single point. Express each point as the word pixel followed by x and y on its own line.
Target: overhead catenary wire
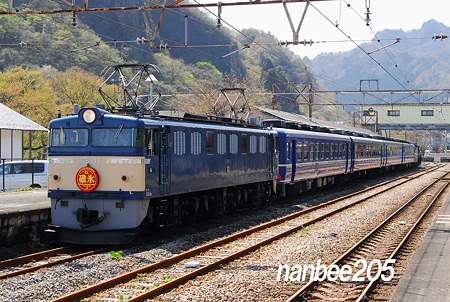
pixel 273 53
pixel 379 40
pixel 357 45
pixel 193 47
pixel 281 43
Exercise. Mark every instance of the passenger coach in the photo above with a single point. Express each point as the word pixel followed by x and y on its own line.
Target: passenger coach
pixel 311 159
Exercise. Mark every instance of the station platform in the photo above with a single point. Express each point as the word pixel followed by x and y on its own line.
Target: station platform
pixel 20 201
pixel 427 279
pixel 23 215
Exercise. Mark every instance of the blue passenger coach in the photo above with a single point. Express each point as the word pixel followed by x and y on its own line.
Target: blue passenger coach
pixel 311 159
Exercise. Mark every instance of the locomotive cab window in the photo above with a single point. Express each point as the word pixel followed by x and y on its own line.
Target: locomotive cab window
pixel 114 137
pixel 151 143
pixel 139 137
pixel 64 137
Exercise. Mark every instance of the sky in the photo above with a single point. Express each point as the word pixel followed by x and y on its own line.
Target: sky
pixel 391 14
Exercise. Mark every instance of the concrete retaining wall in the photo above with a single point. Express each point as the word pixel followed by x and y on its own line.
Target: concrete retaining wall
pixel 437 157
pixel 22 227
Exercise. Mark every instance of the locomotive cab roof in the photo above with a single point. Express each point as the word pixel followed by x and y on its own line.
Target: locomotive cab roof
pixel 95 116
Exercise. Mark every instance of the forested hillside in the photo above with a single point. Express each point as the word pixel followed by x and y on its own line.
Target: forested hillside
pixel 50 62
pixel 108 38
pixel 421 63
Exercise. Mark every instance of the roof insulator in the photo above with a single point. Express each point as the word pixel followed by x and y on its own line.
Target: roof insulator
pixel 74 19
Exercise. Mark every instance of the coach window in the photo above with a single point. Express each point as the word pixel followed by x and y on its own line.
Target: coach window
pixel 322 151
pixel 209 143
pixel 244 144
pixel 305 151
pixel 299 152
pixel 316 151
pixel 310 151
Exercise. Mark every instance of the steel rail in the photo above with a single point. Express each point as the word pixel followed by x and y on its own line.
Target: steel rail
pixel 181 280
pixel 83 293
pixel 35 256
pixel 311 284
pixel 56 251
pixel 53 263
pixel 372 284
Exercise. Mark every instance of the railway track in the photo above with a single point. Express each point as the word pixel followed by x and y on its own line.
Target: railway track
pixel 45 259
pixel 382 245
pixel 167 274
pixel 33 262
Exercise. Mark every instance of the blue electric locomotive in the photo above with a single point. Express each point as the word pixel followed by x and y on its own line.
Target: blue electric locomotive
pixel 111 177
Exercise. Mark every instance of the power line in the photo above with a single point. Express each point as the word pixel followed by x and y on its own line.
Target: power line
pixel 183 46
pixel 357 45
pixel 379 40
pixel 273 53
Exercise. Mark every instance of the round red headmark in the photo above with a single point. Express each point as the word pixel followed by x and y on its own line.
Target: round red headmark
pixel 87 179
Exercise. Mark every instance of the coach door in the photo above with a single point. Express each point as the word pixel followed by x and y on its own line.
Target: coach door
pixel 351 155
pixel 271 148
pixel 164 161
pixel 293 157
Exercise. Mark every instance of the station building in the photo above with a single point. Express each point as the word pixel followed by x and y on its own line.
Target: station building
pixel 13 128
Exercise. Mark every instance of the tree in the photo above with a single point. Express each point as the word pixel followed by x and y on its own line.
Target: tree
pixel 77 87
pixel 29 94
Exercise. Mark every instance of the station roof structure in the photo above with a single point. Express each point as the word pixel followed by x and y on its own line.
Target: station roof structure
pixel 11 120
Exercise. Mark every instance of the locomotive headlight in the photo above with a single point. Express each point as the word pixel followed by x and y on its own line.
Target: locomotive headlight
pixel 89 116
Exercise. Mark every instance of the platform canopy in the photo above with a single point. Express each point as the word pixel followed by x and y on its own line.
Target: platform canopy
pixel 11 120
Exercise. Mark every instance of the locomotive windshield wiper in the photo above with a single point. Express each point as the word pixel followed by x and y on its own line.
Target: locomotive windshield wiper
pixel 63 137
pixel 116 137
